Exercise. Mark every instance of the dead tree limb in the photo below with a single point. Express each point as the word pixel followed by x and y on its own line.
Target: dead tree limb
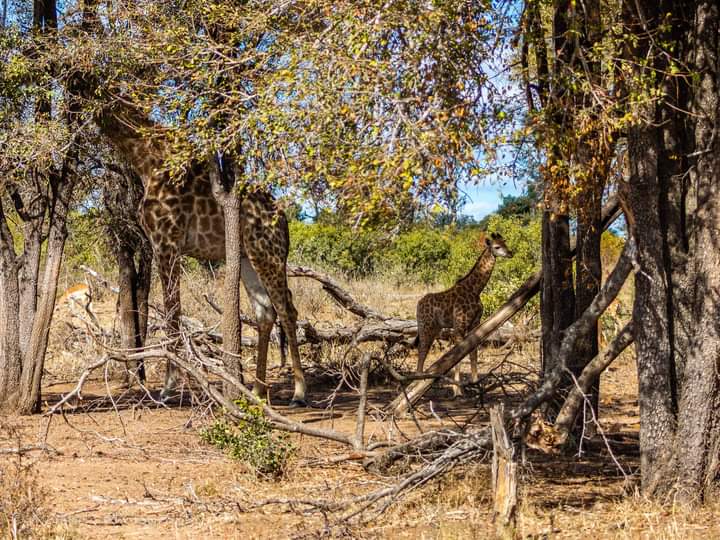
pixel 409 396
pixel 574 401
pixel 504 476
pixel 76 392
pixel 340 295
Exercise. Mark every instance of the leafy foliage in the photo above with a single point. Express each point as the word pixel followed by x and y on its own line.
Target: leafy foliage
pixel 333 247
pixel 251 441
pixel 422 254
pixel 371 113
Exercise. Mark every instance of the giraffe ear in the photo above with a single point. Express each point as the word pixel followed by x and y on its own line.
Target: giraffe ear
pixel 487 241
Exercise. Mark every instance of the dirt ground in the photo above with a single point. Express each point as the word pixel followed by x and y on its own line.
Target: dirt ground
pixel 123 466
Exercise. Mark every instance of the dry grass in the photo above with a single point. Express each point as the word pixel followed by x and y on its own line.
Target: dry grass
pixel 142 471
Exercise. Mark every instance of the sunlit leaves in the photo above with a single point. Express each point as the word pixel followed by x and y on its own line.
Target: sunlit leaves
pixel 371 111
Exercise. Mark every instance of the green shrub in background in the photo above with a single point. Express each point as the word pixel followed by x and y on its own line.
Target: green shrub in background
pixel 422 254
pixel 354 254
pixel 251 441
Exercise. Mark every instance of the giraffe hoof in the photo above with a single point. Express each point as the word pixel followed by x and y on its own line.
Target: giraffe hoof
pixel 167 395
pixel 298 403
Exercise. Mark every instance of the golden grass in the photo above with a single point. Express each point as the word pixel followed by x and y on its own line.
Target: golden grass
pixel 561 497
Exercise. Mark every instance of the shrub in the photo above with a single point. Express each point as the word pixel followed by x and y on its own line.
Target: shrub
pixel 421 254
pixel 251 441
pixel 352 253
pixel 22 498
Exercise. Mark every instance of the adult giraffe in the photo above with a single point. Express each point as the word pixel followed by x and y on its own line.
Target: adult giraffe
pixel 182 217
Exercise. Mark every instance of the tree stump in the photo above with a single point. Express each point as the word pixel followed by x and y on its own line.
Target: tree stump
pixel 504 477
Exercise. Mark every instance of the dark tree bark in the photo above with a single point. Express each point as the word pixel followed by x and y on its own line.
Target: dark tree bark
pixel 62 187
pixel 698 432
pixel 133 254
pixel 673 195
pixel 653 309
pixel 588 279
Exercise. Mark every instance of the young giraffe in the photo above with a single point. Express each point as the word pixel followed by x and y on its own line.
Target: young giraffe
pixel 183 218
pixel 459 307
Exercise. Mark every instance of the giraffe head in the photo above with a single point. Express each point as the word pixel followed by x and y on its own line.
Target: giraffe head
pixel 496 244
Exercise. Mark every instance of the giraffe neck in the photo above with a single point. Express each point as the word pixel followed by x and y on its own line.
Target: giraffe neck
pixel 479 276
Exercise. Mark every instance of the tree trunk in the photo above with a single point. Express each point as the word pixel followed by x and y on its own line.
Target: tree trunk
pixel 63 187
pixel 122 198
pixel 588 279
pixel 698 431
pixel 223 175
pixel 128 308
pixel 10 353
pixel 557 300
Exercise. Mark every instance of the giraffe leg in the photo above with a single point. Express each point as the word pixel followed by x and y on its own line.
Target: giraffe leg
pixel 289 321
pixel 474 353
pixel 426 337
pixel 474 366
pixel 274 280
pixel 265 317
pixel 457 387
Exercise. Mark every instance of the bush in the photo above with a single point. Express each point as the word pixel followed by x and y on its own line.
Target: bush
pixel 421 254
pixel 251 441
pixel 352 253
pixel 23 500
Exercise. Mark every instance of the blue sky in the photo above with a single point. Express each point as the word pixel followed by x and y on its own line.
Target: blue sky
pixel 484 198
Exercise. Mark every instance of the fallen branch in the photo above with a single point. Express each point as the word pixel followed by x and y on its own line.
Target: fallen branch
pixel 574 401
pixel 465 447
pixel 340 295
pixel 21 450
pixel 76 392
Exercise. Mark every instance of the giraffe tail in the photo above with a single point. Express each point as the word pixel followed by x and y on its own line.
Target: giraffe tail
pixel 415 342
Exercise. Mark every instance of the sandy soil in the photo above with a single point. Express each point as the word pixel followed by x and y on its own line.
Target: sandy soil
pixel 127 467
